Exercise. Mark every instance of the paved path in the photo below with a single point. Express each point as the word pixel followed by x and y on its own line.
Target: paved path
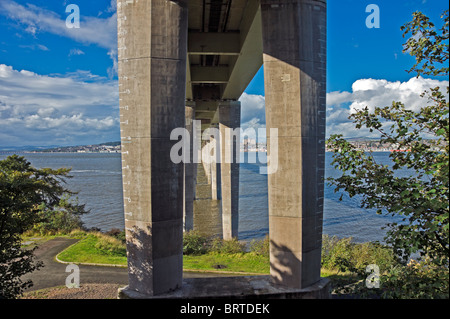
pixel 54 273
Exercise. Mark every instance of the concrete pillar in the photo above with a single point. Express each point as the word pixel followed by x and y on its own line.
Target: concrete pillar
pixel 294 46
pixel 152 37
pixel 229 119
pixel 215 168
pixel 206 164
pixel 190 171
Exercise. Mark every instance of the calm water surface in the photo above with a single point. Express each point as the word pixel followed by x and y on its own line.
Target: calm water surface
pixel 98 180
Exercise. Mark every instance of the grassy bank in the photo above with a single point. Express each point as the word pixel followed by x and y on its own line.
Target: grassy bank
pixel 239 263
pixel 201 253
pixel 343 262
pixel 98 248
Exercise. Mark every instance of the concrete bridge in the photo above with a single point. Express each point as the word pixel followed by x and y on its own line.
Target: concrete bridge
pixel 187 60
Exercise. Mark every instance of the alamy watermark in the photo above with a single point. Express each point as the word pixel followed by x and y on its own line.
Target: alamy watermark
pixel 373 19
pixel 230 138
pixel 73 19
pixel 373 280
pixel 73 280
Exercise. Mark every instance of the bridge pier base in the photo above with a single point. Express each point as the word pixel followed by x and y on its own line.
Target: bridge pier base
pixel 242 287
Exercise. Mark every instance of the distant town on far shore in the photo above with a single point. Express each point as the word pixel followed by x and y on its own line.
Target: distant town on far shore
pixel 248 145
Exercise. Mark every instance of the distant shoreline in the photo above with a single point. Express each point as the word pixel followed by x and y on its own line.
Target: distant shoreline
pixel 62 152
pixel 115 147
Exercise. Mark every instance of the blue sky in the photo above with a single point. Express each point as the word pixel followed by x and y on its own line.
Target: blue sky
pixel 58 86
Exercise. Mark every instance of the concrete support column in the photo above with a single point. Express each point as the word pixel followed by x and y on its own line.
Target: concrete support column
pixel 229 119
pixel 294 46
pixel 206 164
pixel 215 168
pixel 152 40
pixel 190 171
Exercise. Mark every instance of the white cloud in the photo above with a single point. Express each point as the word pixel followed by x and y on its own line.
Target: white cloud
pixel 252 107
pixel 374 93
pixel 114 70
pixel 93 30
pixel 42 47
pixel 338 98
pixel 365 92
pixel 112 7
pixel 35 47
pixel 76 52
pixel 44 110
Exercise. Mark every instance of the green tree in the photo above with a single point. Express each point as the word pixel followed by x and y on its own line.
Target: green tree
pixel 421 199
pixel 27 196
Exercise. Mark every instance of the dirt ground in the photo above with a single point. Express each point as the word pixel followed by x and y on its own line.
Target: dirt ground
pixel 86 291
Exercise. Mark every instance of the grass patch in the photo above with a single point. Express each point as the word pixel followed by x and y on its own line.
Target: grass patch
pixel 200 254
pixel 239 262
pixel 95 248
pixel 214 254
pixel 99 248
pixel 343 262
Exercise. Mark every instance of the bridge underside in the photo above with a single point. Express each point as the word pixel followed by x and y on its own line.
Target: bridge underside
pixel 183 61
pixel 224 53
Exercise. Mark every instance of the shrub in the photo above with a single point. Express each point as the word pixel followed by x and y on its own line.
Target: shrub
pixel 417 280
pixel 77 233
pixel 194 243
pixel 57 222
pixel 110 245
pixel 423 280
pixel 373 253
pixel 261 247
pixel 117 233
pixel 344 255
pixel 231 246
pixel 336 253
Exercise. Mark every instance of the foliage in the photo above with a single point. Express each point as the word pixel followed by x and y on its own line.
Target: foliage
pixel 230 246
pixel 261 247
pixel 25 192
pixel 428 46
pixel 424 280
pixel 110 245
pixel 417 280
pixel 345 255
pixel 62 219
pixel 118 234
pixel 194 243
pixel 421 199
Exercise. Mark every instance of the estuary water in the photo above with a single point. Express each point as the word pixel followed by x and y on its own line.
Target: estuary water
pixel 97 178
